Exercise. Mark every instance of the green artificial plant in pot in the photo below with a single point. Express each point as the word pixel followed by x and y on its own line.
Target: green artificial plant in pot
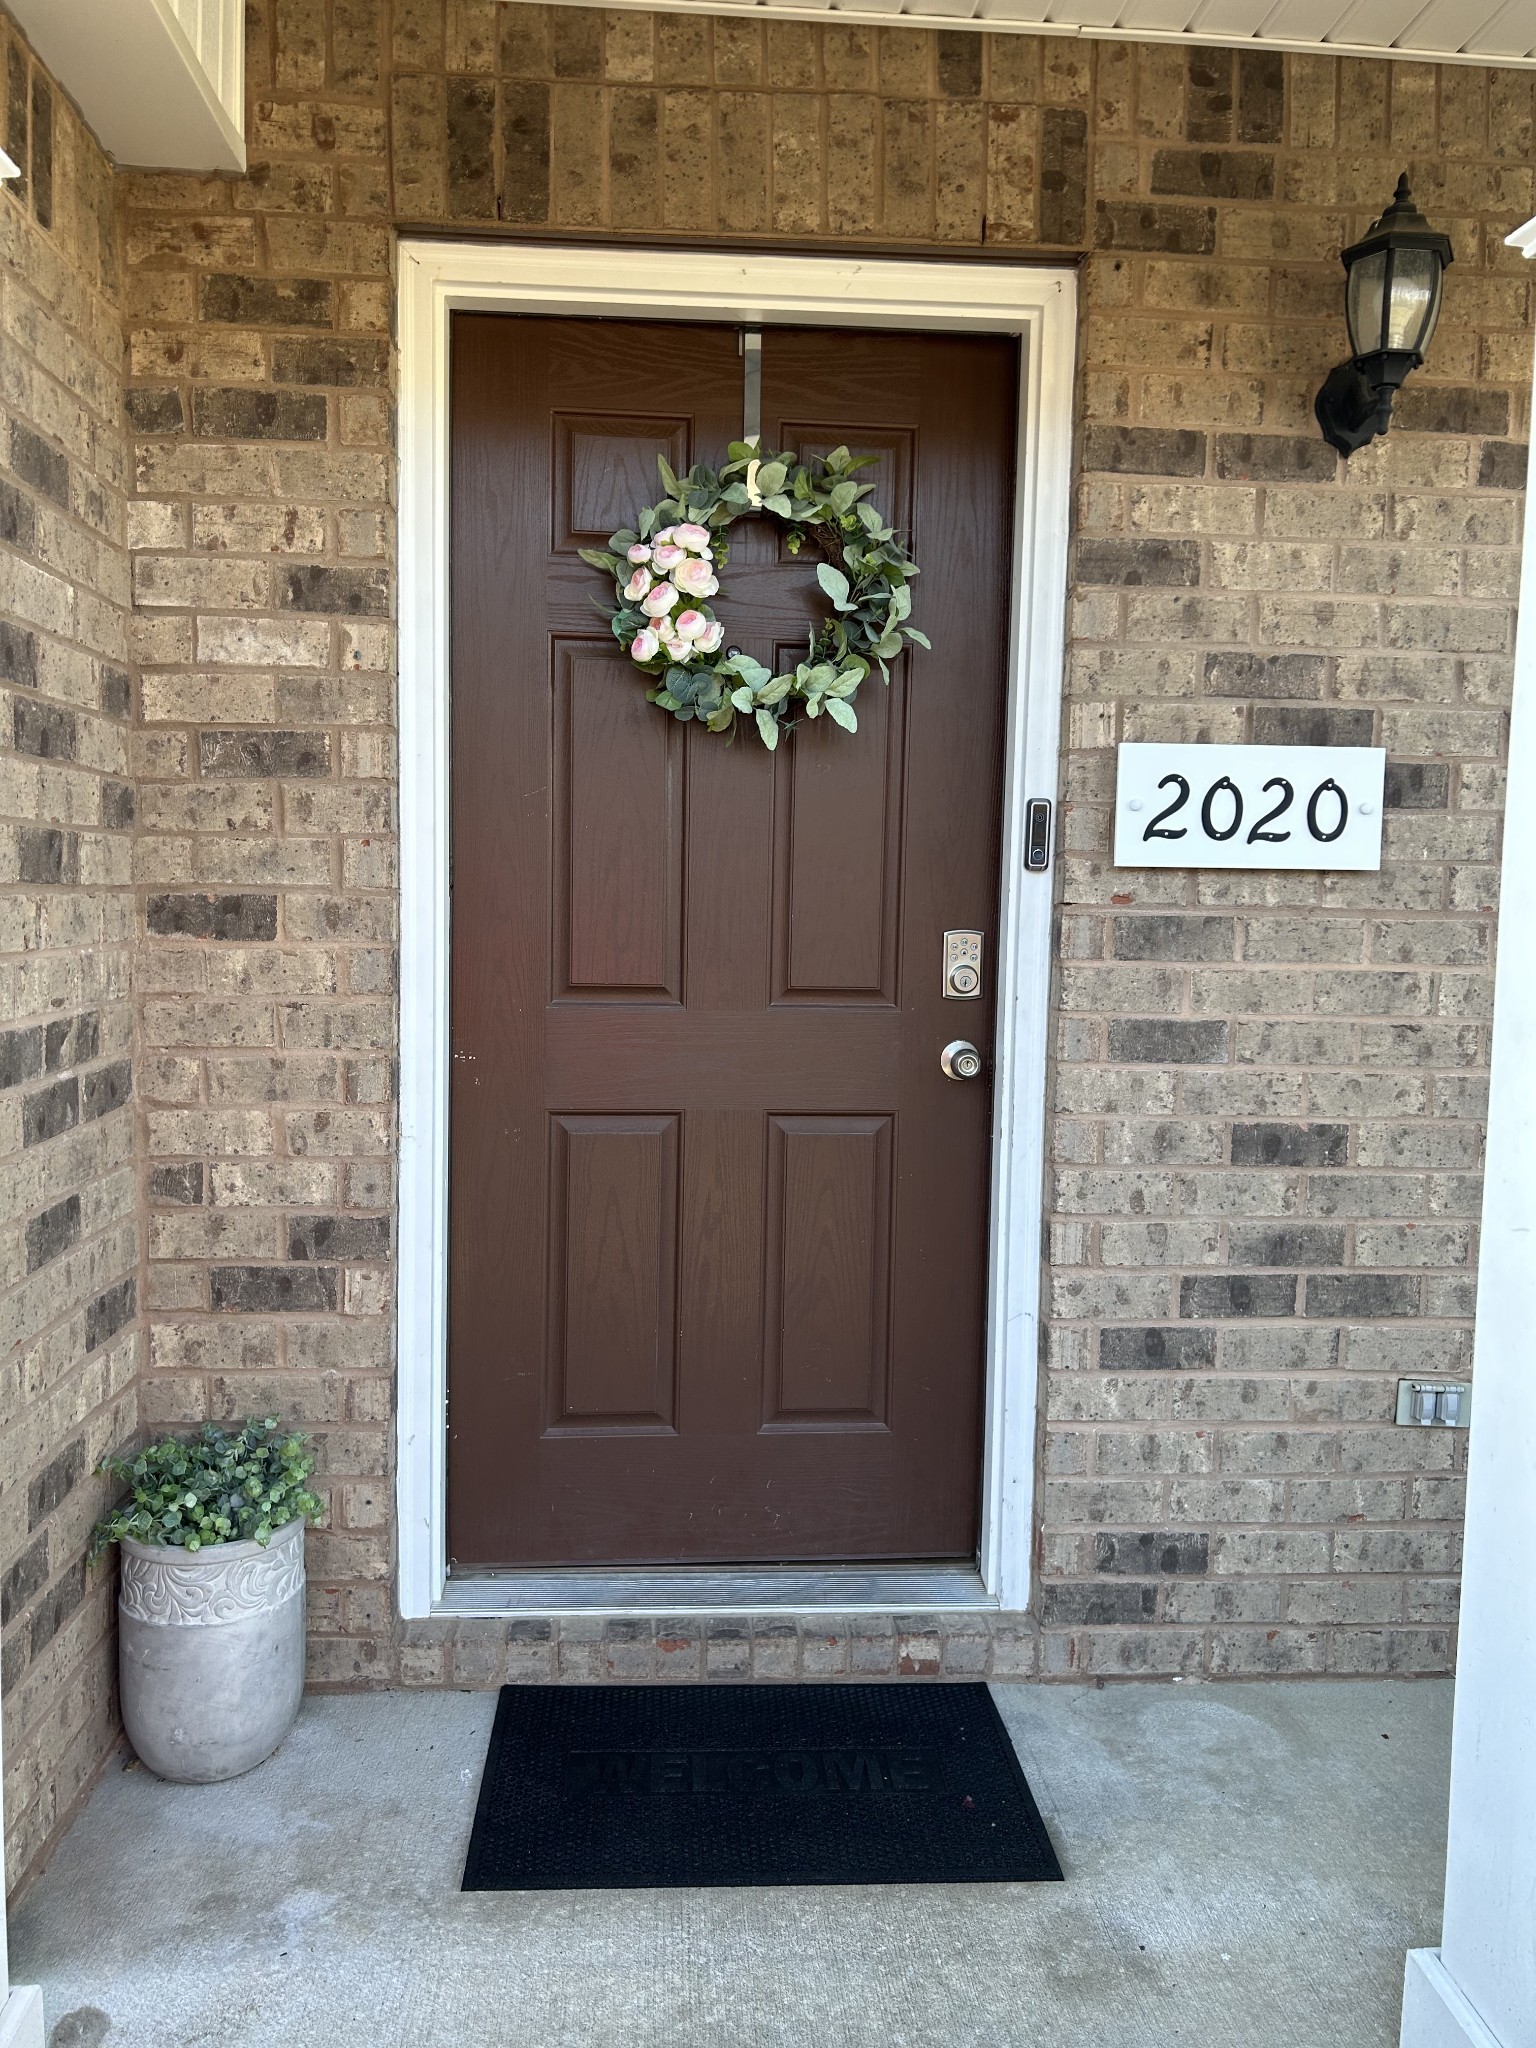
pixel 211 1595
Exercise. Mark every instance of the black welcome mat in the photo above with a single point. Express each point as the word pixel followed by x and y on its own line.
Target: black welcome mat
pixel 616 1786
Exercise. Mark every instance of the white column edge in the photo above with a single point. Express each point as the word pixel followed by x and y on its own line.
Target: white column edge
pixel 21 2018
pixel 1436 2012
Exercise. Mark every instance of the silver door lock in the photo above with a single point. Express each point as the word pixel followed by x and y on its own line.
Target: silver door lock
pixel 960 1060
pixel 962 966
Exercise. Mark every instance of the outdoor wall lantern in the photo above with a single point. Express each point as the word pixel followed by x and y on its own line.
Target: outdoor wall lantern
pixel 1391 303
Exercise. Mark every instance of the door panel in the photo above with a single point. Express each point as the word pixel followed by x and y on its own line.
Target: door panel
pixel 717 1221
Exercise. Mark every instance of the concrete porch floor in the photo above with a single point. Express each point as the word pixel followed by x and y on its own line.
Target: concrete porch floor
pixel 1246 1866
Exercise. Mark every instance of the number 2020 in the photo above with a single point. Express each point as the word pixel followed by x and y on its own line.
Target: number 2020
pixel 1221 811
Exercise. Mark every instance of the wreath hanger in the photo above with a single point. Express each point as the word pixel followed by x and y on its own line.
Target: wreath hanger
pixel 665 568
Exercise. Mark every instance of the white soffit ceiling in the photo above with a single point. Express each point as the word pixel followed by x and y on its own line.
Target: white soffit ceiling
pixel 1499 32
pixel 162 82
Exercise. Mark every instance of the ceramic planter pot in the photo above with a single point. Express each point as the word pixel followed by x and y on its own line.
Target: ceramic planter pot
pixel 211 1652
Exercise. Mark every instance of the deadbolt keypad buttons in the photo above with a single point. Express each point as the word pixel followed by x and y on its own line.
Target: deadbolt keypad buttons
pixel 962 966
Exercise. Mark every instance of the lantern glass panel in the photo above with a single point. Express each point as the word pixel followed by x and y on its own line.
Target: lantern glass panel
pixel 1364 297
pixel 1414 300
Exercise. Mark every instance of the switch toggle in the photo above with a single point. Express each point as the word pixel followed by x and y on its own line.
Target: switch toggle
pixel 962 966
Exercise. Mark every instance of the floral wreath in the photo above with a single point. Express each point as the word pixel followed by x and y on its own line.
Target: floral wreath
pixel 664 572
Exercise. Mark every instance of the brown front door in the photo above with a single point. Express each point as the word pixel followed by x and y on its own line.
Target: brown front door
pixel 718 1220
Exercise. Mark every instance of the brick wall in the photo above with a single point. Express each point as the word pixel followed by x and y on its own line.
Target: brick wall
pixel 1267 1090
pixel 69 1234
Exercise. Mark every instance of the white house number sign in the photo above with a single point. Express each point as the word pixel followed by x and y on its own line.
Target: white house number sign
pixel 1248 807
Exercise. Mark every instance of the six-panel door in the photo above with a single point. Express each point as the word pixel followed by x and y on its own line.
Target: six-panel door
pixel 718 1221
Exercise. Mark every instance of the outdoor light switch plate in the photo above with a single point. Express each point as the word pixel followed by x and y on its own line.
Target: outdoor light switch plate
pixel 1197 806
pixel 1428 1404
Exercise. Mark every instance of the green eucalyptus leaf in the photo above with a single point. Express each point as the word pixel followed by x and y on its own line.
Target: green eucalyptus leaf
pixel 834 583
pixel 768 729
pixel 844 714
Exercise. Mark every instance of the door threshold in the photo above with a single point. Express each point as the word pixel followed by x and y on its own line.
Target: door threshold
pixel 666 1590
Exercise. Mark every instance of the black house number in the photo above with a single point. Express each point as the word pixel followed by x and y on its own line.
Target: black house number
pixel 1221 811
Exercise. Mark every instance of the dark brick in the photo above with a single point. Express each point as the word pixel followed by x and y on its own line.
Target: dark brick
pixel 38 463
pixel 1233 674
pixel 109 1313
pixel 338 1237
pixel 262 1290
pixel 117 805
pixel 1290 1144
pixel 56 1607
pixel 1144 451
pixel 1451 409
pixel 306 359
pixel 72 1040
pixel 1173 938
pixel 16 115
pixel 212 917
pixel 1063 175
pixel 1260 96
pixel 26 1577
pixel 46 730
pixel 21 1055
pixel 1503 465
pixel 1208 97
pixel 52 1231
pixel 349 593
pixel 153 410
pixel 182 1184
pixel 1131 562
pixel 1175 230
pixel 1156 1350
pixel 524 152
pixel 48 1111
pixel 56 1482
pixel 264 753
pixel 18 518
pixel 105 1089
pixel 18 655
pixel 1286 1244
pixel 1168 1041
pixel 1417 786
pixel 116 692
pixel 576 43
pixel 960 55
pixel 268 301
pixel 1309 725
pixel 13 1660
pixel 239 415
pixel 1275 459
pixel 1206 1295
pixel 1152 1553
pixel 1365 1295
pixel 45 854
pixel 471 152
pixel 1086 1605
pixel 1213 174
pixel 42 150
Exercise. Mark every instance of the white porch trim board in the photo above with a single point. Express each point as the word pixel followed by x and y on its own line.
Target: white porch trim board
pixel 1478 1989
pixel 21 2014
pixel 1039 305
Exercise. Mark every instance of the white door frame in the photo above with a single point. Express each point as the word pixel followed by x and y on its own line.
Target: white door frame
pixel 1038 304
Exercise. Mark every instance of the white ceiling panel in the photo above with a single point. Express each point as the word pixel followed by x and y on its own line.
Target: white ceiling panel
pixel 1443 31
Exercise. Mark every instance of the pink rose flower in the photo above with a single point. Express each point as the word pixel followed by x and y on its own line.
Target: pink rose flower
pixel 711 639
pixel 658 602
pixel 646 644
pixel 697 578
pixel 638 585
pixel 677 650
pixel 692 536
pixel 668 557
pixel 639 552
pixel 690 625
